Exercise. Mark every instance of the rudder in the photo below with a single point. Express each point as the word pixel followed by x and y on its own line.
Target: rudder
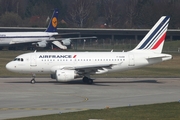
pixel 52 27
pixel 154 39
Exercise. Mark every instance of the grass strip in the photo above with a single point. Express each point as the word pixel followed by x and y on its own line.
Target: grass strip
pixel 163 111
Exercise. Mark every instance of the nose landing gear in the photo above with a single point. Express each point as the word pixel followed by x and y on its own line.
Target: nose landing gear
pixel 33 81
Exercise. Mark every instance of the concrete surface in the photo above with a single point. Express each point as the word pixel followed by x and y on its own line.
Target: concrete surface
pixel 19 98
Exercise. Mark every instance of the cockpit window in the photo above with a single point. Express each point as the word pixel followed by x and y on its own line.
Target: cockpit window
pixel 15 59
pixel 18 59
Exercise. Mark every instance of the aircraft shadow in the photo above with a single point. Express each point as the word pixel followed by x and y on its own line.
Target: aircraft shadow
pixel 97 83
pixel 132 81
pixel 76 82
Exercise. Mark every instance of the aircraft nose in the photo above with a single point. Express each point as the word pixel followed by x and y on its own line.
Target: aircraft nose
pixel 9 66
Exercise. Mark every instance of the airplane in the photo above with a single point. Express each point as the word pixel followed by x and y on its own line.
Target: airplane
pixel 39 39
pixel 67 66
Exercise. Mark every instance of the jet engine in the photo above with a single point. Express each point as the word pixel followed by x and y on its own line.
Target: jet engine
pixel 66 42
pixel 65 75
pixel 41 44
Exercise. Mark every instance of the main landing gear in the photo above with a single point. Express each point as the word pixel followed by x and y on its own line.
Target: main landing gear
pixel 33 81
pixel 87 80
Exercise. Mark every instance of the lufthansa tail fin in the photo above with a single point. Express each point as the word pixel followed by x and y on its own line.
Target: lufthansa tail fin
pixel 154 39
pixel 52 27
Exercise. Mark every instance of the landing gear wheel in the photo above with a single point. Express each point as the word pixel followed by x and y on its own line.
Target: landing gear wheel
pixel 87 80
pixel 90 81
pixel 33 81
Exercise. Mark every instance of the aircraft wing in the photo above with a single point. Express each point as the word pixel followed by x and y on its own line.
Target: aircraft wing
pixel 61 34
pixel 23 41
pixel 88 67
pixel 91 69
pixel 74 38
pixel 62 43
pixel 38 40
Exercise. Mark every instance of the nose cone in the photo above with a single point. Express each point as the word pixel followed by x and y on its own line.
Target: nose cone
pixel 9 66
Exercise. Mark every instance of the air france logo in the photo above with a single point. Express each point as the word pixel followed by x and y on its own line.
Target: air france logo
pixel 55 56
pixel 54 22
pixel 74 56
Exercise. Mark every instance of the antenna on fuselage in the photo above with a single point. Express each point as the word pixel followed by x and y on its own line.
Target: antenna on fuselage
pixel 35 51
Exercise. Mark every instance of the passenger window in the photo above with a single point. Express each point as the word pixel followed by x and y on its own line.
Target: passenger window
pixel 22 59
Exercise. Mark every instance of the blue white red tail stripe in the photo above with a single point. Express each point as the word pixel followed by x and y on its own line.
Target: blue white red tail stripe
pixel 156 36
pixel 159 41
pixel 162 26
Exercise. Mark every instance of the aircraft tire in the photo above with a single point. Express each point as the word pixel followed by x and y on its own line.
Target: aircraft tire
pixel 87 80
pixel 33 81
pixel 90 81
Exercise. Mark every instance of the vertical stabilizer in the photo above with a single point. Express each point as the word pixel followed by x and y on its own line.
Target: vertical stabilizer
pixel 154 39
pixel 52 27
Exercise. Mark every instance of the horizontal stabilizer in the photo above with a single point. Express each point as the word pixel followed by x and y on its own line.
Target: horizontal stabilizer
pixel 160 56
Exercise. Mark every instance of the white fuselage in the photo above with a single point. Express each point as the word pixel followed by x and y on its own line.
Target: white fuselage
pixel 10 38
pixel 49 62
pixel 66 66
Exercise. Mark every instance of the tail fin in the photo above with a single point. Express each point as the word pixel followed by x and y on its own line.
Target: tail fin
pixel 52 27
pixel 154 39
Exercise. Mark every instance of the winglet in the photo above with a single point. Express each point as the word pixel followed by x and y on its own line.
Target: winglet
pixel 52 27
pixel 154 39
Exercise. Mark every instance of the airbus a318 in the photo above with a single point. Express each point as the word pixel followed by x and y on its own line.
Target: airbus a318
pixel 40 39
pixel 67 66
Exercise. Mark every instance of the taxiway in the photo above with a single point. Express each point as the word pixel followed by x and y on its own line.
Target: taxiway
pixel 19 98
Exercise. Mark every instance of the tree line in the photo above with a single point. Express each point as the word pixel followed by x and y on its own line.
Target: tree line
pixel 123 14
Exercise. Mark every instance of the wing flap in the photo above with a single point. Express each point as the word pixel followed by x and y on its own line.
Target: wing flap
pixel 58 44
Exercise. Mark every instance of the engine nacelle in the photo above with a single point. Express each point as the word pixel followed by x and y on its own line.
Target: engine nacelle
pixel 41 44
pixel 66 42
pixel 65 75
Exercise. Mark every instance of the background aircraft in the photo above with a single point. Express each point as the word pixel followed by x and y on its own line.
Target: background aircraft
pixel 39 39
pixel 66 66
